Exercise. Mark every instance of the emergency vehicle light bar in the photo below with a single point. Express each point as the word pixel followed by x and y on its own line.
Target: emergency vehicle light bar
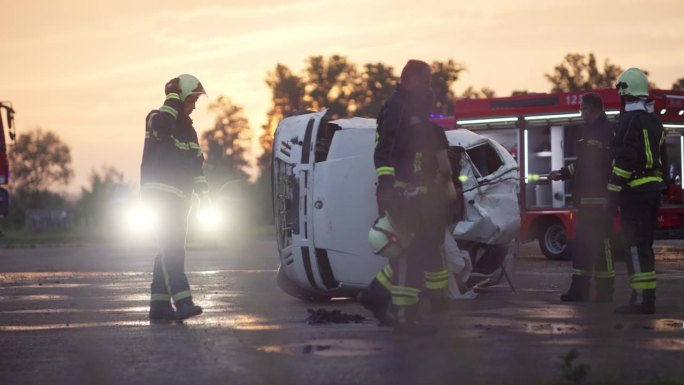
pixel 673 125
pixel 483 121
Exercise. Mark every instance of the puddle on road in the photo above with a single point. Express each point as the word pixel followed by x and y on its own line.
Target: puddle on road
pixel 327 348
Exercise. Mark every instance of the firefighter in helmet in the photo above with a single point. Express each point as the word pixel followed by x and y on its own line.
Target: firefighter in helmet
pixel 636 184
pixel 171 171
pixel 413 173
pixel 591 249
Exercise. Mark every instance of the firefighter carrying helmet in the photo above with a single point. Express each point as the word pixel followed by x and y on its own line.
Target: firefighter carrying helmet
pixel 632 82
pixel 189 85
pixel 385 240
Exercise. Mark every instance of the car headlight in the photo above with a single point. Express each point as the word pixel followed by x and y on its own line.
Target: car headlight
pixel 209 217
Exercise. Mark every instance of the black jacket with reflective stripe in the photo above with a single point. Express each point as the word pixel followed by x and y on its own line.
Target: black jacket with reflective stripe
pixel 639 154
pixel 403 132
pixel 591 170
pixel 172 158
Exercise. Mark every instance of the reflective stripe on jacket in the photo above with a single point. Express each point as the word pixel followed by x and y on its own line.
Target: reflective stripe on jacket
pixel 172 158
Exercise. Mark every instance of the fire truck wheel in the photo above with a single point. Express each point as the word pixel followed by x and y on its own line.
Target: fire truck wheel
pixel 553 241
pixel 285 284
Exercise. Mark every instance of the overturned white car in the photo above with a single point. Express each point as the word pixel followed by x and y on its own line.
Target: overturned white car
pixel 324 204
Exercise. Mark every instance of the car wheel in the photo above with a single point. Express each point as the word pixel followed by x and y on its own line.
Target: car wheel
pixel 553 241
pixel 285 284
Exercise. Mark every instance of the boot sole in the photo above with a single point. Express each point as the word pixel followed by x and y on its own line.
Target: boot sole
pixel 180 317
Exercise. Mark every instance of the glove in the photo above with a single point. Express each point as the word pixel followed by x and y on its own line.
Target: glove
pixel 172 87
pixel 385 193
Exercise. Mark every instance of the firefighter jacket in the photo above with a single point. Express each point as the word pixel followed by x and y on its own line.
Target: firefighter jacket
pixel 406 141
pixel 639 155
pixel 172 158
pixel 591 170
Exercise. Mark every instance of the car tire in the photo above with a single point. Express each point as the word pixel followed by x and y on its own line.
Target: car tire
pixel 289 287
pixel 553 241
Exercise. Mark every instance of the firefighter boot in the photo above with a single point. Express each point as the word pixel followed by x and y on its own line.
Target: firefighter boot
pixel 604 289
pixel 408 322
pixel 377 299
pixel 646 306
pixel 161 311
pixel 579 289
pixel 185 308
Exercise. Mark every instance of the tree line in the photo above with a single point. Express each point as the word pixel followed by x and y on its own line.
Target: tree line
pixel 40 161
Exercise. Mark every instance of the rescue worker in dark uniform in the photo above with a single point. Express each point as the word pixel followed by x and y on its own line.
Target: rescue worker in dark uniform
pixel 171 170
pixel 413 172
pixel 636 184
pixel 591 250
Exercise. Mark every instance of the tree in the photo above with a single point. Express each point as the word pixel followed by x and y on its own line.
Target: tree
pixel 40 162
pixel 95 200
pixel 678 85
pixel 330 84
pixel 376 83
pixel 579 72
pixel 444 75
pixel 472 93
pixel 227 144
pixel 287 92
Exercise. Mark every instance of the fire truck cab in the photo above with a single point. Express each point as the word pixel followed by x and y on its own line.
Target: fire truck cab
pixel 540 131
pixel 4 162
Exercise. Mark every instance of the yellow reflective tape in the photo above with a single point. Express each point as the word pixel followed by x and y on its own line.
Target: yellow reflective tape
pixel 160 297
pixel 647 147
pixel 646 275
pixel 435 285
pixel 616 188
pixel 173 95
pixel 149 121
pixel 622 173
pixel 182 295
pixel 644 180
pixel 644 285
pixel 571 168
pixel 384 170
pixel 604 274
pixel 169 110
pixel 163 187
pixel 404 301
pixel 405 290
pixel 436 274
pixel 384 281
pixel 200 179
pixel 608 252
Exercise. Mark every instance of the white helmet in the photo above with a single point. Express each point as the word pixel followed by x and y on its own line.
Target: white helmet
pixel 385 240
pixel 189 85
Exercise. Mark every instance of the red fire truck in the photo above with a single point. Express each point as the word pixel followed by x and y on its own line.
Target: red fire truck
pixel 4 163
pixel 540 131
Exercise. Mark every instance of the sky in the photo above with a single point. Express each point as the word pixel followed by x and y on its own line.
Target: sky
pixel 90 71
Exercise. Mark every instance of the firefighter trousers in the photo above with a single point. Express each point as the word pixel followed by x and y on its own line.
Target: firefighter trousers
pixel 639 217
pixel 591 250
pixel 421 266
pixel 169 281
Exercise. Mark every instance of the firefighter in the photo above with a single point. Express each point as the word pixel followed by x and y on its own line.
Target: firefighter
pixel 171 170
pixel 413 173
pixel 636 184
pixel 591 250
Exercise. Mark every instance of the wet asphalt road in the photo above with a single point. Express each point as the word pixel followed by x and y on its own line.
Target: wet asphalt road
pixel 77 315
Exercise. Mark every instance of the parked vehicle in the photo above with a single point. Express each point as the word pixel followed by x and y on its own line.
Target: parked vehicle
pixel 540 131
pixel 324 202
